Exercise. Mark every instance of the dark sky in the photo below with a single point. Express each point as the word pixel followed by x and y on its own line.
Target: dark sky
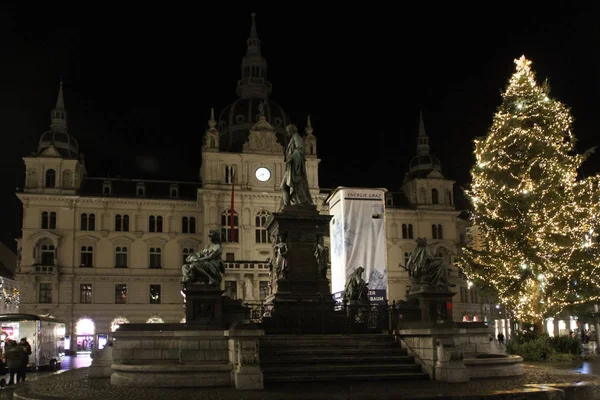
pixel 140 80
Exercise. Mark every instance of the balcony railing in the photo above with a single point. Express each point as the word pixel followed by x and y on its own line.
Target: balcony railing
pixel 245 265
pixel 44 269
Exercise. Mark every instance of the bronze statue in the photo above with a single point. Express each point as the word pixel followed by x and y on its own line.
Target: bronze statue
pixel 278 263
pixel 425 269
pixel 322 257
pixel 294 185
pixel 356 289
pixel 280 251
pixel 205 266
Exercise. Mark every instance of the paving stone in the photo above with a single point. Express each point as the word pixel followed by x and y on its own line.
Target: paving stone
pixel 76 385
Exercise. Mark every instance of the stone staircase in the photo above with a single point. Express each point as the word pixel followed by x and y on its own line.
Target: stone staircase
pixel 305 358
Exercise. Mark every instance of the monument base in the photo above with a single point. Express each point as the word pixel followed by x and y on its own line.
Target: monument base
pixel 435 305
pixel 301 314
pixel 182 355
pixel 207 308
pixel 301 300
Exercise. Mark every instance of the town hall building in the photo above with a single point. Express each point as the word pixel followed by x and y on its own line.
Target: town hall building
pixel 98 252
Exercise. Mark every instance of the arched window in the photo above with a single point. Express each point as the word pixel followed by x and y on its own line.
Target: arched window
pixel 45 220
pixel 188 225
pixel 122 223
pixel 435 196
pixel 155 223
pixel 227 233
pixel 440 233
pixel 47 254
pixel 434 232
pixel 155 257
pixel 114 325
pixel 88 222
pixel 121 257
pixel 261 230
pixel 404 231
pixel 48 220
pixel 411 234
pixel 50 178
pixel 87 256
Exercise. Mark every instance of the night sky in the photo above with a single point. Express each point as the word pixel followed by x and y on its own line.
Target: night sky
pixel 140 80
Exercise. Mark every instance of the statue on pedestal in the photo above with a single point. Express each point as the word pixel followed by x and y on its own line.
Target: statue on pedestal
pixel 294 185
pixel 356 289
pixel 425 269
pixel 206 266
pixel 278 265
pixel 322 257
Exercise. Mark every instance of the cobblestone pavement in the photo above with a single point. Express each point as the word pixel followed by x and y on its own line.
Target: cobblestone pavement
pixel 75 384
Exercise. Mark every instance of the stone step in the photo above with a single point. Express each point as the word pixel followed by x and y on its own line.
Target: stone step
pixel 335 359
pixel 344 376
pixel 335 368
pixel 328 343
pixel 337 338
pixel 330 350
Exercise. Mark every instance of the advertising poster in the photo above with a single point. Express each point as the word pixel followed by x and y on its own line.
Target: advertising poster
pixel 357 233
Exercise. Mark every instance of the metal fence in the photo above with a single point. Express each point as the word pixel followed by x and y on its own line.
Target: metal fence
pixel 344 318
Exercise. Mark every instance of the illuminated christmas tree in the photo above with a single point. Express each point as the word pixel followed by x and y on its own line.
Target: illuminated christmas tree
pixel 535 219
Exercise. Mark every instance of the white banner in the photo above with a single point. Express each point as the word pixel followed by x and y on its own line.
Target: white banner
pixel 357 233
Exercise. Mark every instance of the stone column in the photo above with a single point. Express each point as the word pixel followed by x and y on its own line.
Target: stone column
pixel 244 355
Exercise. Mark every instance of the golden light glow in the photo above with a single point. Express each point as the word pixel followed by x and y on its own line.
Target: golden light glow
pixel 536 221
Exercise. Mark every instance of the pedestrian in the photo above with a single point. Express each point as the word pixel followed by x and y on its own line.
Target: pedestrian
pixel 501 338
pixel 15 358
pixel 24 344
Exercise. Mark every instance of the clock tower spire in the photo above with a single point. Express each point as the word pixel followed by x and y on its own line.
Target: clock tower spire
pixel 254 84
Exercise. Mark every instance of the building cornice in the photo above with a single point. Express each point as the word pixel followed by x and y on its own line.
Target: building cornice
pixel 105 202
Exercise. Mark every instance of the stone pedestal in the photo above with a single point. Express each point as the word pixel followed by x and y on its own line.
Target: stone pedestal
pixel 203 306
pixel 244 356
pixel 101 362
pixel 301 302
pixel 435 305
pixel 457 351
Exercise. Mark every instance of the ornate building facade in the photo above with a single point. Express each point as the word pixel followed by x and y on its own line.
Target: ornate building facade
pixel 96 252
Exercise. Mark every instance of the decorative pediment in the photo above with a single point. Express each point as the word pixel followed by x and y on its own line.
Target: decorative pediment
pixel 262 139
pixel 155 242
pixel 87 239
pixel 50 152
pixel 44 235
pixel 121 240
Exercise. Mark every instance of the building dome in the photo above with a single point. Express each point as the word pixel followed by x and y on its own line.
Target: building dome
pixel 423 164
pixel 64 143
pixel 237 118
pixel 58 136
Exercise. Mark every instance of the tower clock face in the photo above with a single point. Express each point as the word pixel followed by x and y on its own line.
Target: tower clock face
pixel 263 174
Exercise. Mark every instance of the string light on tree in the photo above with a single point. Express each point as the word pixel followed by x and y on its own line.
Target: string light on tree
pixel 8 296
pixel 537 221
